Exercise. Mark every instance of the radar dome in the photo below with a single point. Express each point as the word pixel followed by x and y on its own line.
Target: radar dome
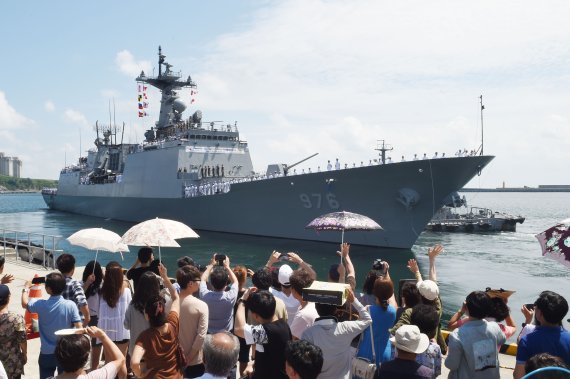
pixel 178 105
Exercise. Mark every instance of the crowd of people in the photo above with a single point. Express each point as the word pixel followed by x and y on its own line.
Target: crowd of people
pixel 206 323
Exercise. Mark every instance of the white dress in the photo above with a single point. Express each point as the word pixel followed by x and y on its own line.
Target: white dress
pixel 111 320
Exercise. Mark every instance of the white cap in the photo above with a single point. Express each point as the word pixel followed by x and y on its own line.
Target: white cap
pixel 409 338
pixel 428 289
pixel 285 272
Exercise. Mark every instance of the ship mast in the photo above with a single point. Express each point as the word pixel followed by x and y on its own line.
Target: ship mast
pixel 383 149
pixel 482 108
pixel 168 82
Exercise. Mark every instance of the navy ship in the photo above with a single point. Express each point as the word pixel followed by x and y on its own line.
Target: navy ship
pixel 201 173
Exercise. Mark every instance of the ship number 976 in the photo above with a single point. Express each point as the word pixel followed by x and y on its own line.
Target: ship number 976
pixel 315 200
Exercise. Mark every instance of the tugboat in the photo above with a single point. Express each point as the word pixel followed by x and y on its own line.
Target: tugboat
pixel 477 220
pixel 201 173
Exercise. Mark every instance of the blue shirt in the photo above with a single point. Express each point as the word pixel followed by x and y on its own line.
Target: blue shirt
pixel 545 339
pixel 221 307
pixel 54 314
pixel 382 320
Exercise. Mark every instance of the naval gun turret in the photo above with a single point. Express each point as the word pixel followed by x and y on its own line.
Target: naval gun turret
pixel 283 168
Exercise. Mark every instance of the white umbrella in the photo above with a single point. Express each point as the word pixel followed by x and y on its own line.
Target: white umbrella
pixel 98 239
pixel 158 232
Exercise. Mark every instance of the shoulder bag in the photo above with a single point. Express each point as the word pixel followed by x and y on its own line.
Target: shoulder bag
pixel 362 368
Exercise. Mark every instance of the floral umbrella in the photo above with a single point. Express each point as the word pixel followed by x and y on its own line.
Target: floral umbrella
pixel 555 242
pixel 98 239
pixel 158 232
pixel 343 221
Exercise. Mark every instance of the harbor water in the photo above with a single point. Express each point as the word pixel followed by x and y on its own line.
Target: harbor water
pixel 509 260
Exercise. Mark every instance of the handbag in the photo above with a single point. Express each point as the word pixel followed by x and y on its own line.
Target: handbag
pixel 362 368
pixel 181 358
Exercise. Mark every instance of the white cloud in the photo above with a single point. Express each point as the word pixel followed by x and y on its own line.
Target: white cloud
pixel 342 75
pixel 9 117
pixel 128 65
pixel 75 117
pixel 49 106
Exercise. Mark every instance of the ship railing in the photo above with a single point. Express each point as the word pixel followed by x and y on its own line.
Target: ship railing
pixel 30 248
pixel 49 191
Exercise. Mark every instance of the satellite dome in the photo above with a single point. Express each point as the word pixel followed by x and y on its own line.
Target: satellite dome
pixel 178 105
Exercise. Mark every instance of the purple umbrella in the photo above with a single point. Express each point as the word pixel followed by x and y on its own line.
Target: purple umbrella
pixel 343 221
pixel 555 242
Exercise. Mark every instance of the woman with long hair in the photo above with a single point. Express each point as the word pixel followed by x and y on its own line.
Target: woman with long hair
pixel 158 345
pixel 148 286
pixel 115 298
pixel 92 280
pixel 383 315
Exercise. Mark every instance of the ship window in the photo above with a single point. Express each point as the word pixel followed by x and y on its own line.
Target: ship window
pixel 192 136
pixel 209 137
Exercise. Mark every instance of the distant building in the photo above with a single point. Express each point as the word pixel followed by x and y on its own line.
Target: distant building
pixel 557 186
pixel 10 166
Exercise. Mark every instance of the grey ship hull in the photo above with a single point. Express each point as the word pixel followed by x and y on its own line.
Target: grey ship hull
pixel 281 207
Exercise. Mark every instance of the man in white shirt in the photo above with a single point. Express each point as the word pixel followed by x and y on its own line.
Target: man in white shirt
pixel 302 278
pixel 334 337
pixel 291 304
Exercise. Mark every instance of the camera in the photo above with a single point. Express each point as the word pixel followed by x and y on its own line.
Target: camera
pixel 379 265
pixel 284 257
pixel 39 280
pixel 220 258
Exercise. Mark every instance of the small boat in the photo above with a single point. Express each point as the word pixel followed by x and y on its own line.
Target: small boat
pixel 448 219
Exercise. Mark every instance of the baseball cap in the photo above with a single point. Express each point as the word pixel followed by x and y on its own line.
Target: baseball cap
pixel 4 292
pixel 428 289
pixel 409 338
pixel 285 272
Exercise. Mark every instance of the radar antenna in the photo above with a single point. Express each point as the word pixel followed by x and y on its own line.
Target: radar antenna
pixel 382 147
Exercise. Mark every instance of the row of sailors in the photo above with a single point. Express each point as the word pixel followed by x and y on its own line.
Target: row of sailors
pixel 207 189
pixel 459 153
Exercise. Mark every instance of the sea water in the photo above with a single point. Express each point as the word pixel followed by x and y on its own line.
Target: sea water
pixel 509 260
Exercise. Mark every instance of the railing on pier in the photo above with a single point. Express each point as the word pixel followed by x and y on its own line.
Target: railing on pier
pixel 30 248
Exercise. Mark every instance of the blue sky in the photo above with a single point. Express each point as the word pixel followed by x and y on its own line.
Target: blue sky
pixel 299 77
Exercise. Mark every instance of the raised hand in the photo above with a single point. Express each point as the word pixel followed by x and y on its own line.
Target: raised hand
pixel 434 251
pixel 8 278
pixel 413 266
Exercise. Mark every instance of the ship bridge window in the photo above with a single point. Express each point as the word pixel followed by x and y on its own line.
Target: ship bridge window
pixel 209 137
pixel 192 136
pixel 225 138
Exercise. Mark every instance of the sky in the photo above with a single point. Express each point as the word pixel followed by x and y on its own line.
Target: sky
pixel 299 77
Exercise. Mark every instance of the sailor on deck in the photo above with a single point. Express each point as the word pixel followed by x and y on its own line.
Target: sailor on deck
pixel 415 157
pixel 329 166
pixel 337 165
pixel 403 159
pixel 425 156
pixel 435 155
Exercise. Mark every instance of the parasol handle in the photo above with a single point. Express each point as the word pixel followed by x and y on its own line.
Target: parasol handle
pixel 95 263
